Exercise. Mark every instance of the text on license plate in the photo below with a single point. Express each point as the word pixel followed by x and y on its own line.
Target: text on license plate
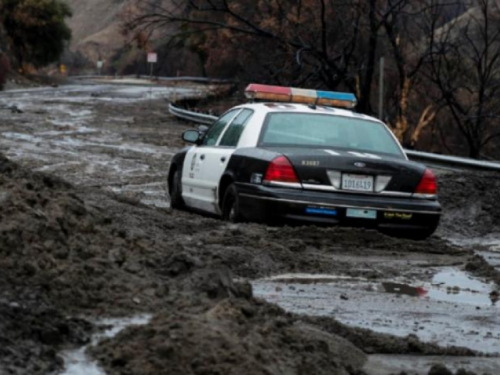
pixel 357 182
pixel 361 214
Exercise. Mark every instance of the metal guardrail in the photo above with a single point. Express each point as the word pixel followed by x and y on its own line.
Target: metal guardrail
pixel 452 161
pixel 424 157
pixel 199 118
pixel 163 79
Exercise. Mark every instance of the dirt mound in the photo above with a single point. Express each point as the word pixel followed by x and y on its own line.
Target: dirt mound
pixel 471 207
pixel 57 249
pixel 230 337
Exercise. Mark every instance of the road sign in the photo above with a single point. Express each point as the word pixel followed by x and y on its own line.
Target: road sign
pixel 152 57
pixel 100 64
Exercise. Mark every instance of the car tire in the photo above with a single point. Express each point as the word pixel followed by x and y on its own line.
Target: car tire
pixel 176 200
pixel 231 205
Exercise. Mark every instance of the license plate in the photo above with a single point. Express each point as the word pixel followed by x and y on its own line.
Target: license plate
pixel 357 182
pixel 361 214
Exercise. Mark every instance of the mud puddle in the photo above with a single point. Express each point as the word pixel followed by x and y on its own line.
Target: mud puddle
pixel 420 365
pixel 451 308
pixel 76 361
pixel 488 247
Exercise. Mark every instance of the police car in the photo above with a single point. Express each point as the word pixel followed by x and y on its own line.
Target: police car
pixel 304 155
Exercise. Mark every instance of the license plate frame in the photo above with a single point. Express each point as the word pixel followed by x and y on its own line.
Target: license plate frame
pixel 360 213
pixel 358 183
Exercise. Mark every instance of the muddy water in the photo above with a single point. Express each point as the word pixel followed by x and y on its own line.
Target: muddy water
pixel 76 362
pixel 419 365
pixel 451 309
pixel 117 137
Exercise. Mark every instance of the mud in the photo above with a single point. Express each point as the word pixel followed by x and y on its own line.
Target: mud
pixel 31 337
pixel 228 337
pixel 86 233
pixel 470 204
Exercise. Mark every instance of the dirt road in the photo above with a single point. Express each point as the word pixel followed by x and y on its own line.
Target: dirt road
pixel 89 237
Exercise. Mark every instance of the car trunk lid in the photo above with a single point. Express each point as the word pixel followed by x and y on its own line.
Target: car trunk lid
pixel 354 171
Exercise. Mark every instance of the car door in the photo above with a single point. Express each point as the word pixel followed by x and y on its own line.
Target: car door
pixel 194 187
pixel 216 158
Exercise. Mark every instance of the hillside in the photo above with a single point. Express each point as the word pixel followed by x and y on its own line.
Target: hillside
pixel 96 27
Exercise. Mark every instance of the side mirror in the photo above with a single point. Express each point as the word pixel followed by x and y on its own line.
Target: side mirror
pixel 191 136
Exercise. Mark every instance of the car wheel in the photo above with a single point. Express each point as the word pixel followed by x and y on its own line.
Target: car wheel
pixel 231 205
pixel 176 200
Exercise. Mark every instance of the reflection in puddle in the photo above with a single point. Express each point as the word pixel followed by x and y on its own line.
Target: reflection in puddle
pixel 78 363
pixel 453 285
pixel 452 308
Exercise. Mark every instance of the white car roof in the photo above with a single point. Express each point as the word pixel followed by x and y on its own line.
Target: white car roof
pixel 303 108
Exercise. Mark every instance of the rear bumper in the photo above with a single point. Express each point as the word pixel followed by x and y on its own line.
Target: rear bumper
pixel 258 202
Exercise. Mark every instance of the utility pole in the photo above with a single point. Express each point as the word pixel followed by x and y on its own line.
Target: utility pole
pixel 381 89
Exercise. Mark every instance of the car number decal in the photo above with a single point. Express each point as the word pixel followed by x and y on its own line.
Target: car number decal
pixel 310 163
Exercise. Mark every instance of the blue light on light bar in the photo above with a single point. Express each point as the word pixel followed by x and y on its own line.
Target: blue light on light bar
pixel 336 96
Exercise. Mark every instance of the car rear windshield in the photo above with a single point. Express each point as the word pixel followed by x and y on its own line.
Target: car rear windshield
pixel 325 131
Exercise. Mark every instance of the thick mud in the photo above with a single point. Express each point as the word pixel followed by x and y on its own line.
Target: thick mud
pixel 86 234
pixel 471 206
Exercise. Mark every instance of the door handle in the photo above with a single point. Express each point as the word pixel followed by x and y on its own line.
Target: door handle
pixel 223 159
pixel 202 157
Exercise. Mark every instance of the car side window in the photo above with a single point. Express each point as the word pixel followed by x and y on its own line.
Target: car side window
pixel 217 128
pixel 233 133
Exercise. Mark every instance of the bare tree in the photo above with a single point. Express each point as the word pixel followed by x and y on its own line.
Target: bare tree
pixel 409 33
pixel 321 43
pixel 465 66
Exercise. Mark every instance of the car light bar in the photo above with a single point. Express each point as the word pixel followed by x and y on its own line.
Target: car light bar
pixel 294 95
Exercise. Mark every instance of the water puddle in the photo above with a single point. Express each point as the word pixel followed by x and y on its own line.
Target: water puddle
pixel 451 308
pixel 420 365
pixel 77 362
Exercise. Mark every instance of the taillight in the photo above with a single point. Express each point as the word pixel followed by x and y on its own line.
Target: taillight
pixel 428 184
pixel 280 170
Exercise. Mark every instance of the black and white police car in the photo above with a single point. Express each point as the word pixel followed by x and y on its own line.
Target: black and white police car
pixel 302 156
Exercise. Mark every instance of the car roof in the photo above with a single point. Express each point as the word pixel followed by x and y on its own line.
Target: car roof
pixel 303 108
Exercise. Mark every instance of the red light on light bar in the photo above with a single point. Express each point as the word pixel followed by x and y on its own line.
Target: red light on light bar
pixel 271 93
